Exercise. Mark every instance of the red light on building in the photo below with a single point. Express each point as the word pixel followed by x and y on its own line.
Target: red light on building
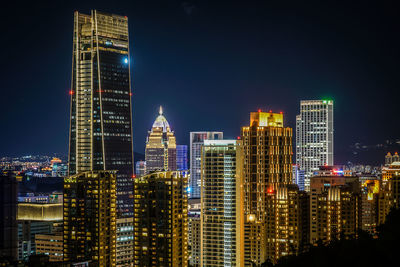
pixel 130 94
pixel 270 190
pixel 238 137
pixel 71 92
pixel 133 176
pixel 281 112
pixel 259 110
pixel 270 111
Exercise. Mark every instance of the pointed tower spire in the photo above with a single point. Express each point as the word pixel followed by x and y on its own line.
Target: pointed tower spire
pixel 160 110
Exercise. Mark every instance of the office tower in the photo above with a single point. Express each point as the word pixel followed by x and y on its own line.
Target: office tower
pixel 221 205
pixel 8 214
pixel 51 245
pixel 335 204
pixel 181 157
pixel 194 231
pixel 33 219
pixel 90 218
pixel 196 142
pixel 161 219
pixel 267 162
pixel 124 242
pixel 298 176
pixel 314 136
pixel 100 126
pixel 140 168
pixel 160 146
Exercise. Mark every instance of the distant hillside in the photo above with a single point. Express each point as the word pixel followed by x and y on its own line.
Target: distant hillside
pixel 360 153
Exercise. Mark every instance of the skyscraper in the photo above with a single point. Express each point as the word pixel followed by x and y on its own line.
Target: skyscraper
pixel 161 219
pixel 160 151
pixel 267 165
pixel 181 157
pixel 221 205
pixel 196 142
pixel 314 137
pixel 100 126
pixel 8 214
pixel 90 218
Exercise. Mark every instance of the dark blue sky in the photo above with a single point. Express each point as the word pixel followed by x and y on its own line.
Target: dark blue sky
pixel 209 63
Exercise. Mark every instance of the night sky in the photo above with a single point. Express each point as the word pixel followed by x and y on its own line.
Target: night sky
pixel 209 63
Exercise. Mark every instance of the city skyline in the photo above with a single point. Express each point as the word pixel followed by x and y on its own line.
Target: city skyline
pixel 268 56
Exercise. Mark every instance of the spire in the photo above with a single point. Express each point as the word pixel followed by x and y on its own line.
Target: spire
pixel 160 110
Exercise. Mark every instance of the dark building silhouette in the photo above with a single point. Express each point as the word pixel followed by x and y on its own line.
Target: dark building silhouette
pixel 8 217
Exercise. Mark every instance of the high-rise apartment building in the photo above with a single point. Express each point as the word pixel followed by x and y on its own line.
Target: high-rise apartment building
pixel 160 151
pixel 314 136
pixel 286 221
pixel 391 182
pixel 267 163
pixel 181 157
pixel 90 218
pixel 100 126
pixel 196 142
pixel 389 158
pixel 370 191
pixel 161 219
pixel 221 205
pixel 125 243
pixel 335 205
pixel 194 232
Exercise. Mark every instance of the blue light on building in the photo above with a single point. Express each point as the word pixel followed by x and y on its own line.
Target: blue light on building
pixel 181 157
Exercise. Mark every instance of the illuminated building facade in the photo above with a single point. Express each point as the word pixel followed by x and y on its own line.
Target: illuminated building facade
pixel 389 159
pixel 221 205
pixel 267 162
pixel 124 242
pixel 286 221
pixel 181 157
pixel 100 126
pixel 51 245
pixel 370 191
pixel 160 146
pixel 389 196
pixel 194 232
pixel 314 136
pixel 90 218
pixel 161 219
pixel 335 204
pixel 140 169
pixel 196 143
pixel 8 214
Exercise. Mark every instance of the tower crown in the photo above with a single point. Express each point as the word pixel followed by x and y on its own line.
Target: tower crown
pixel 266 119
pixel 161 122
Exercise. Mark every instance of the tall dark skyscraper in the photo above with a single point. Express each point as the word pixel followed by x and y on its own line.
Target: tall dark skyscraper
pixel 8 214
pixel 101 119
